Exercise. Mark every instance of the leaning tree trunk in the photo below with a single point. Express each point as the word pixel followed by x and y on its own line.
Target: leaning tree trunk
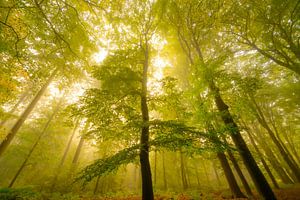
pixel 78 150
pixel 96 185
pixel 240 173
pixel 231 180
pixel 257 176
pixel 238 170
pixel 287 158
pixel 262 158
pixel 147 189
pixel 234 187
pixel 274 161
pixel 21 99
pixel 287 141
pixel 23 117
pixel 34 146
pixel 62 161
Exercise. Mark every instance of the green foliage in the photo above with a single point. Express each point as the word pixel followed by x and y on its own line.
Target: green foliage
pixel 194 45
pixel 19 193
pixel 169 135
pixel 269 27
pixel 109 164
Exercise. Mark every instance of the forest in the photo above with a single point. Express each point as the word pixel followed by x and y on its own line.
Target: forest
pixel 149 99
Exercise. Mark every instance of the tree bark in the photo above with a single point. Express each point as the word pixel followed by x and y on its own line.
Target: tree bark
pixel 262 159
pixel 147 188
pixel 240 173
pixel 257 176
pixel 23 117
pixel 234 187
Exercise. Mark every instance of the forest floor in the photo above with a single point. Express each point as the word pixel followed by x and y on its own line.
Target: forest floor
pixel 290 193
pixel 286 193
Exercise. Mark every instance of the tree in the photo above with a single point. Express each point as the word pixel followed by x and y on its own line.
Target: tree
pixel 271 28
pixel 195 35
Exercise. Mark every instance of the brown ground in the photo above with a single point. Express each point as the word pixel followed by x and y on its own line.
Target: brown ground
pixel 292 193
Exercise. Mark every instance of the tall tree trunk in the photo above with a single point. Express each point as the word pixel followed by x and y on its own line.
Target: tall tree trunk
pixel 25 114
pixel 76 157
pixel 217 175
pixel 231 180
pixel 78 149
pixel 197 175
pixel 183 172
pixel 262 158
pixel 155 167
pixel 62 161
pixel 292 143
pixel 97 185
pixel 164 172
pixel 147 189
pixel 273 123
pixel 206 174
pixel 233 185
pixel 240 173
pixel 21 99
pixel 34 145
pixel 261 119
pixel 257 176
pixel 273 159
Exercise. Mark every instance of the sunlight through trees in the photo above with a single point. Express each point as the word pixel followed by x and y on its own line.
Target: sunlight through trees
pixel 149 99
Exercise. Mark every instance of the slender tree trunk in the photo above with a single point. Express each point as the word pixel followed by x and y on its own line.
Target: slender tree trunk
pixel 155 167
pixel 147 189
pixel 78 150
pixel 62 161
pixel 257 176
pixel 206 174
pixel 291 143
pixel 34 145
pixel 182 172
pixel 217 175
pixel 197 175
pixel 76 157
pixel 234 187
pixel 23 117
pixel 164 172
pixel 21 99
pixel 240 173
pixel 273 160
pixel 97 185
pixel 262 159
pixel 273 123
pixel 261 119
